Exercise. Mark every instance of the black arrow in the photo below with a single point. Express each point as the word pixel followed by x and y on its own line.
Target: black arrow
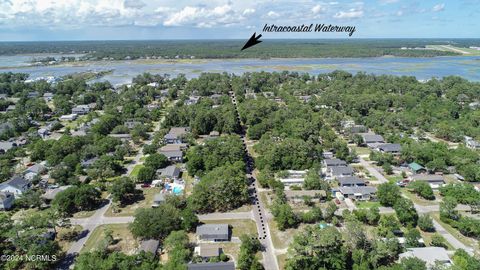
pixel 252 41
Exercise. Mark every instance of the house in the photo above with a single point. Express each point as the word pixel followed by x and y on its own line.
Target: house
pixel 51 193
pixel 416 168
pixel 68 117
pixel 16 185
pixel 335 162
pixel 10 108
pixel 158 199
pixel 471 143
pixel 173 147
pixel 5 146
pixel 299 195
pixel 6 200
pixel 295 177
pixel 211 266
pixel 350 181
pixel 371 139
pixel 355 129
pixel 214 134
pixel 81 109
pixel 474 105
pixel 3 96
pixel 337 172
pixel 192 100
pixel 86 163
pixel 389 148
pixel 170 172
pixel 131 124
pixel 176 135
pixel 123 137
pixel 213 232
pixel 43 133
pixel 32 94
pixel 48 96
pixel 33 171
pixel 207 251
pixel 361 193
pixel 327 155
pixel 430 255
pixel 434 180
pixel 174 156
pixel 150 245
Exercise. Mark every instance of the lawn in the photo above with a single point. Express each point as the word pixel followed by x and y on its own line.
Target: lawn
pixel 123 239
pixel 282 259
pixel 135 171
pixel 239 226
pixel 129 210
pixel 84 214
pixel 427 238
pixel 416 199
pixel 361 150
pixel 366 204
pixel 281 239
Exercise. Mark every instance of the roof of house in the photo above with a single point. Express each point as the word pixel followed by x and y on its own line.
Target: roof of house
pixel 428 177
pixel 390 147
pixel 415 166
pixel 209 250
pixel 50 194
pixel 350 180
pixel 37 168
pixel 363 190
pixel 212 266
pixel 172 147
pixel 427 254
pixel 6 195
pixel 212 229
pixel 150 245
pixel 17 181
pixel 334 162
pixel 170 154
pixel 341 170
pixel 175 132
pixel 368 138
pixel 169 171
pixel 301 193
pixel 5 146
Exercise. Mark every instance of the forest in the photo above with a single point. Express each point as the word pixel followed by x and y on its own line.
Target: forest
pixel 119 50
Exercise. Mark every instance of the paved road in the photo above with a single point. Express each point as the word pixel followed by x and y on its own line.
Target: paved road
pixel 423 209
pixel 259 210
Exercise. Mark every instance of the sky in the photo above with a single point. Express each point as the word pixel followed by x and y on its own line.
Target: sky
pixel 41 20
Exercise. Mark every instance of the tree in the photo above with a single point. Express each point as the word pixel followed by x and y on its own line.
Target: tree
pixel 249 247
pixel 438 241
pixel 155 223
pixel 156 161
pixel 387 225
pixel 330 211
pixel 387 168
pixel 447 209
pixel 425 223
pixel 317 248
pixel 29 199
pixel 146 174
pixel 388 194
pixel 314 182
pixel 76 198
pixel 411 238
pixel 423 189
pixel 412 263
pixel 123 190
pixel 406 213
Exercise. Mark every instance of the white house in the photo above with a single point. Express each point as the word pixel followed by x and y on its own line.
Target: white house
pixel 16 185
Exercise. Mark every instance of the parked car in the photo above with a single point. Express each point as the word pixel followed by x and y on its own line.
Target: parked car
pixel 145 185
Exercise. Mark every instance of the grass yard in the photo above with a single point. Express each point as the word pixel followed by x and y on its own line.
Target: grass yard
pixel 281 239
pixel 282 259
pixel 136 170
pixel 122 236
pixel 361 150
pixel 239 226
pixel 84 214
pixel 367 204
pixel 427 238
pixel 417 199
pixel 129 210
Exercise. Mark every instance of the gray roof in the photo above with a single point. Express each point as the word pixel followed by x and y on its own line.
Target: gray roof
pixel 170 154
pixel 334 162
pixel 50 194
pixel 341 170
pixel 17 181
pixel 176 132
pixel 350 180
pixel 6 195
pixel 212 229
pixel 364 190
pixel 171 172
pixel 427 254
pixel 5 146
pixel 37 168
pixel 149 246
pixel 372 138
pixel 390 147
pixel 211 266
pixel 209 250
pixel 428 177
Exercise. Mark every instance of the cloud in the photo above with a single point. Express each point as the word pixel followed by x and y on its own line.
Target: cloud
pixel 350 14
pixel 248 11
pixel 318 9
pixel 273 14
pixel 387 1
pixel 438 7
pixel 203 17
